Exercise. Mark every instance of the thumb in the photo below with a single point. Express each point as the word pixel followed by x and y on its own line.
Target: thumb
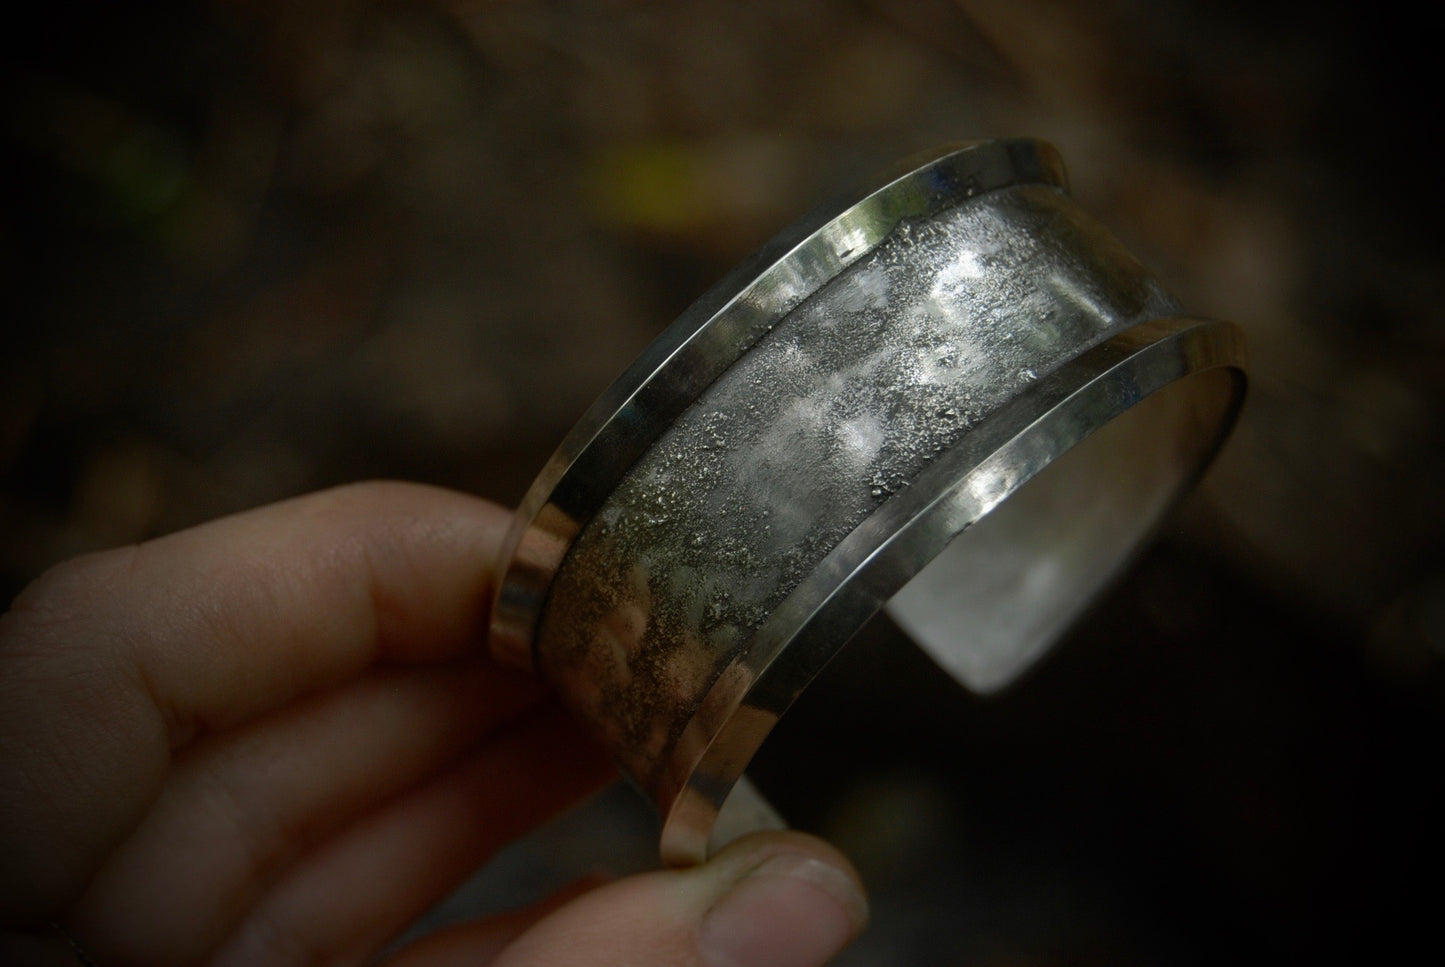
pixel 767 900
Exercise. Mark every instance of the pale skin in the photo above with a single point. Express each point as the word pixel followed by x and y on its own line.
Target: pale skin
pixel 277 739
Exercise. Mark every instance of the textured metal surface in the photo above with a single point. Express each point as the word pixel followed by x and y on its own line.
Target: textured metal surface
pixel 762 482
pixel 832 413
pixel 708 338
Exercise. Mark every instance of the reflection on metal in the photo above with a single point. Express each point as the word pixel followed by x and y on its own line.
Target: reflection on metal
pixel 958 396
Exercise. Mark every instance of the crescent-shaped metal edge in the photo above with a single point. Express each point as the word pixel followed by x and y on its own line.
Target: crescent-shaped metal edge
pixel 884 552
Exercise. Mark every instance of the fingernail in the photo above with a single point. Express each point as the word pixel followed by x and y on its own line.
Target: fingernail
pixel 791 911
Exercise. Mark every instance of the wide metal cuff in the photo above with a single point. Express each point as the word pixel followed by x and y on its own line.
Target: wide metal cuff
pixel 958 396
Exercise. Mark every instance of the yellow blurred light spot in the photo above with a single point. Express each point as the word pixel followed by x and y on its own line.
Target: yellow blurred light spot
pixel 658 187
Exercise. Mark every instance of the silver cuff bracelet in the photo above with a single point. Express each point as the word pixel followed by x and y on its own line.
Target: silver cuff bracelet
pixel 957 398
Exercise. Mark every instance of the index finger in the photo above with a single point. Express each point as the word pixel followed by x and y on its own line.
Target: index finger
pixel 109 662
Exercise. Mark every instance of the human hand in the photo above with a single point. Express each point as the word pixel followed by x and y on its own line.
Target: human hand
pixel 275 739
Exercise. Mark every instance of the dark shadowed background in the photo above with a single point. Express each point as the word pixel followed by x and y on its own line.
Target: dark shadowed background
pixel 255 248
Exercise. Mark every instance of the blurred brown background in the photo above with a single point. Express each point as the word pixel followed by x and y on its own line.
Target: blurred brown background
pixel 256 248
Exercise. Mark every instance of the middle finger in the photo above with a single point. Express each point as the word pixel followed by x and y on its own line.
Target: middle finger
pixel 240 807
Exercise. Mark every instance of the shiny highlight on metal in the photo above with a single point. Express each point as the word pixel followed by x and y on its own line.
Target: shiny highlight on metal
pixel 959 397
